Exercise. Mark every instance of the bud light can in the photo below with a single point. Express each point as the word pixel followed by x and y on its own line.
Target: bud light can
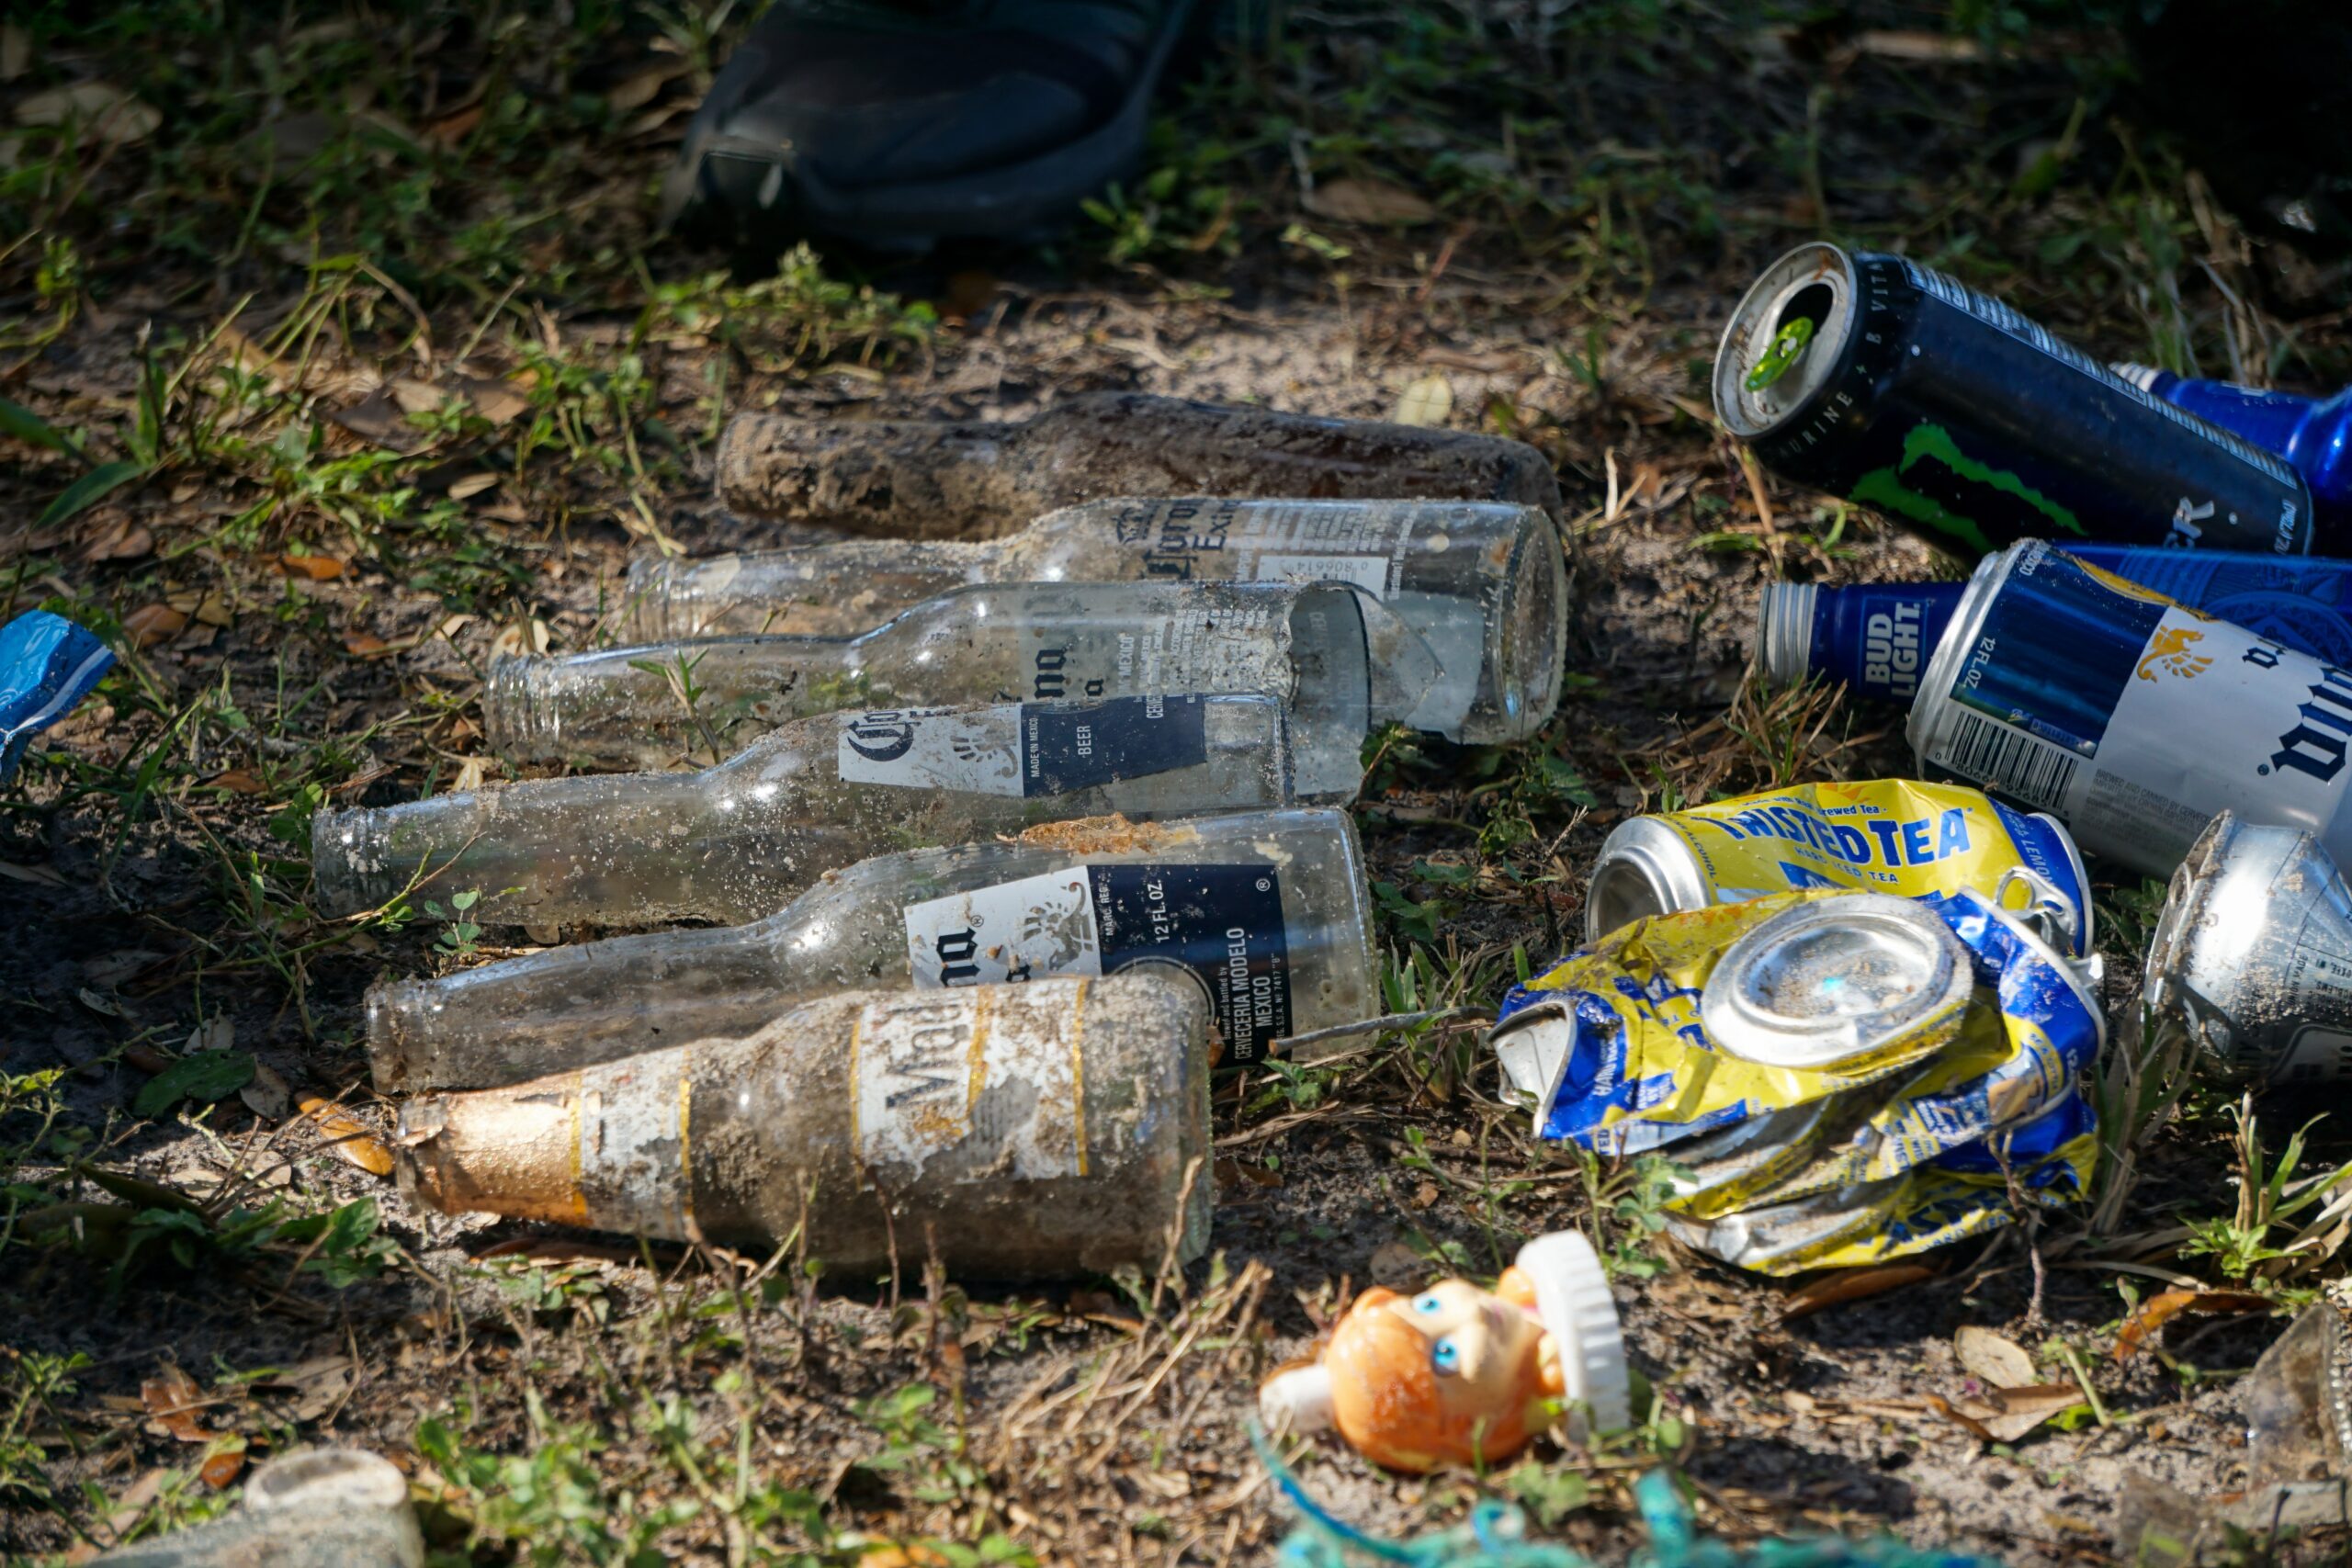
pixel 2131 718
pixel 1877 378
pixel 1876 637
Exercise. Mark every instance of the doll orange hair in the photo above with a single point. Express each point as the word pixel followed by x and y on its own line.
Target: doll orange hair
pixel 1384 1397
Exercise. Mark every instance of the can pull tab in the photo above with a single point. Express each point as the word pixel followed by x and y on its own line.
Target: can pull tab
pixel 2051 915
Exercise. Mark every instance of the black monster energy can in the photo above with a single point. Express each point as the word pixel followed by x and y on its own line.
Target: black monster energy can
pixel 1892 384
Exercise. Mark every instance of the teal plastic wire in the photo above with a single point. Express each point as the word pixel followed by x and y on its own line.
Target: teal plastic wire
pixel 1495 1536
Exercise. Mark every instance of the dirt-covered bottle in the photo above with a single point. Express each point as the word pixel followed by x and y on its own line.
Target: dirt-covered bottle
pixel 974 479
pixel 1267 910
pixel 1484 583
pixel 1008 1130
pixel 733 842
pixel 1338 661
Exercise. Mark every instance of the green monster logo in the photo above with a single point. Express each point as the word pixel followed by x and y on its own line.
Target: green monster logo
pixel 1929 450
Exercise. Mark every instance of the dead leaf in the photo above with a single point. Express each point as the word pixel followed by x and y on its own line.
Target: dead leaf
pixel 151 623
pixel 1993 1359
pixel 1851 1285
pixel 113 968
pixel 320 1384
pixel 1914 44
pixel 516 637
pixel 40 874
pixel 208 607
pixel 2007 1414
pixel 1427 401
pixel 366 645
pixel 104 111
pixel 224 1464
pixel 636 92
pixel 468 776
pixel 471 485
pixel 452 129
pixel 16 51
pixel 1367 201
pixel 145 1058
pixel 216 1034
pixel 2161 1309
pixel 268 1095
pixel 494 400
pixel 377 418
pixel 318 569
pixel 1974 1428
pixel 171 1397
pixel 124 540
pixel 348 1138
pixel 237 780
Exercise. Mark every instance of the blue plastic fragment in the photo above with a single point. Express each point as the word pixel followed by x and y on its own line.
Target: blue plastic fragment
pixel 1495 1537
pixel 47 665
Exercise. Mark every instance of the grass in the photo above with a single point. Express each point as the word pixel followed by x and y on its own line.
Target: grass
pixel 365 353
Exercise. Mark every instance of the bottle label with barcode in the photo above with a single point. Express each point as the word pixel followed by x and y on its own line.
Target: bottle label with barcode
pixel 1362 543
pixel 1222 924
pixel 1023 749
pixel 2135 720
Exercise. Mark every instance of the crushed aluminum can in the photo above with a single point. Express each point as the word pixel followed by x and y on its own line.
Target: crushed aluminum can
pixel 2130 718
pixel 1836 1066
pixel 2252 952
pixel 1921 841
pixel 1875 378
pixel 1965 1193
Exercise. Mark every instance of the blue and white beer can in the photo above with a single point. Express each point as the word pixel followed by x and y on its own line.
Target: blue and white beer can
pixel 2129 717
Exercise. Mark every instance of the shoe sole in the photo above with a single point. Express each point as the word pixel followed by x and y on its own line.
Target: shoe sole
pixel 1020 202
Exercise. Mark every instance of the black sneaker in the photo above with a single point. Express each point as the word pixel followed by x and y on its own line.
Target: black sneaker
pixel 897 123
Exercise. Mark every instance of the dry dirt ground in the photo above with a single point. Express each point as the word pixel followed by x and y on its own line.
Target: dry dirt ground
pixel 370 304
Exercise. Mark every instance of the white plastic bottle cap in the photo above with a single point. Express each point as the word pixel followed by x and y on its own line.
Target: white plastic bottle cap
pixel 1573 1301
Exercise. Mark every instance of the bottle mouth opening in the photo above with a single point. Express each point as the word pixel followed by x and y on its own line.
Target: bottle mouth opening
pixel 1531 634
pixel 513 721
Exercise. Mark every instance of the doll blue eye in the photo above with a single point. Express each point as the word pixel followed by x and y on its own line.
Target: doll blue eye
pixel 1446 1357
pixel 1428 1303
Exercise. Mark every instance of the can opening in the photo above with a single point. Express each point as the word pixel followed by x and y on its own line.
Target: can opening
pixel 1812 303
pixel 1619 894
pixel 1836 972
pixel 1836 978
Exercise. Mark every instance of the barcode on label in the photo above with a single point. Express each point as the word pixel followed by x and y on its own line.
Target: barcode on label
pixel 2009 761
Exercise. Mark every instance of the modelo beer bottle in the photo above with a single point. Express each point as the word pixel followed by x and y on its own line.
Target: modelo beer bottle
pixel 1012 1130
pixel 733 842
pixel 1267 910
pixel 1484 583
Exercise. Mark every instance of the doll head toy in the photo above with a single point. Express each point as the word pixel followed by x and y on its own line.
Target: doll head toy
pixel 1458 1375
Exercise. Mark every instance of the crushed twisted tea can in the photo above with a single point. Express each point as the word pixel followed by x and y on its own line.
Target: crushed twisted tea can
pixel 1791 1052
pixel 1875 378
pixel 2129 717
pixel 2046 1161
pixel 1922 841
pixel 2252 952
